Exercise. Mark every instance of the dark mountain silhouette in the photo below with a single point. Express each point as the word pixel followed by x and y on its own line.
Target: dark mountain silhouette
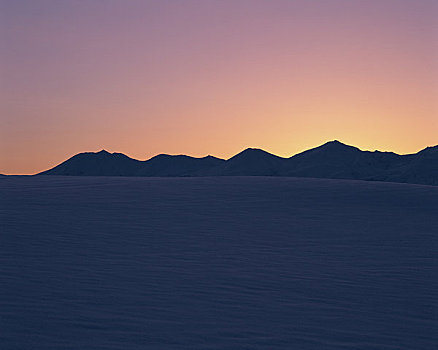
pixel 421 168
pixel 97 164
pixel 180 165
pixel 339 161
pixel 104 163
pixel 333 160
pixel 250 162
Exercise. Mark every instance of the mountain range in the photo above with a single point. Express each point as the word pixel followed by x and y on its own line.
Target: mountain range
pixel 333 160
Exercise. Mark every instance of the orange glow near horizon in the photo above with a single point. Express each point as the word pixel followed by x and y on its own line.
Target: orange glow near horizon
pixel 205 77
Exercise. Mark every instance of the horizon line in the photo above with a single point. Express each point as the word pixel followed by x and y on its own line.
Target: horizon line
pixel 225 159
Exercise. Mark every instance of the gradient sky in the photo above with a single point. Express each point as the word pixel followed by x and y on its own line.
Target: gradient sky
pixel 214 77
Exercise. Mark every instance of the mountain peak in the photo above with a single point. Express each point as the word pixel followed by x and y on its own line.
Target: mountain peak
pixel 253 153
pixel 335 143
pixel 253 150
pixel 211 157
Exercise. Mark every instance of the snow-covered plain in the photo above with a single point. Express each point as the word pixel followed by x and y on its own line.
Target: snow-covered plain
pixel 217 263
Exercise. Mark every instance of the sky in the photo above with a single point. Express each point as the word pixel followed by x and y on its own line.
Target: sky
pixel 214 77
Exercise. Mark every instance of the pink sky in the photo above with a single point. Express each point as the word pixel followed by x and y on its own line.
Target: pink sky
pixel 214 77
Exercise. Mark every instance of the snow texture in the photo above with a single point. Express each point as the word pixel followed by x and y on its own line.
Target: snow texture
pixel 217 263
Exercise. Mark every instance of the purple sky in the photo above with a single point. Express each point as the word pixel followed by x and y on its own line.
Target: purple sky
pixel 214 77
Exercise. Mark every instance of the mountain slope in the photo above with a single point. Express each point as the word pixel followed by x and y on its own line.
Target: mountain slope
pixel 420 168
pixel 339 161
pixel 100 163
pixel 250 162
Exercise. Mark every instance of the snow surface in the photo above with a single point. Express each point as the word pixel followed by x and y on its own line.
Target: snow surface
pixel 217 263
